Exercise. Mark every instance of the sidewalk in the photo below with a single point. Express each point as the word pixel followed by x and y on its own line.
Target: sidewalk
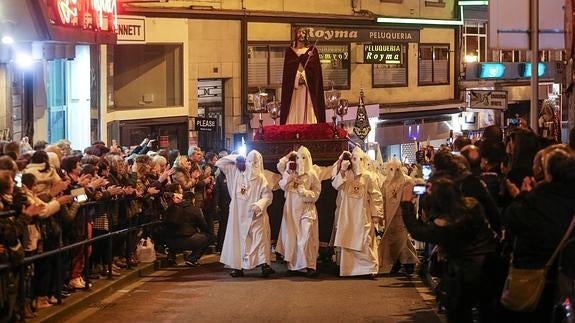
pixel 99 290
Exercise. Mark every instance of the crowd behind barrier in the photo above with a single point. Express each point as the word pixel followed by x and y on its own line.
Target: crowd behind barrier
pixel 69 217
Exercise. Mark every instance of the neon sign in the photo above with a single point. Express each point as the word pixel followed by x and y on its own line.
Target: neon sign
pixel 86 14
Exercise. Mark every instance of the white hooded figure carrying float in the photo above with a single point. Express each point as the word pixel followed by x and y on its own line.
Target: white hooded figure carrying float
pixel 298 239
pixel 396 245
pixel 247 242
pixel 359 212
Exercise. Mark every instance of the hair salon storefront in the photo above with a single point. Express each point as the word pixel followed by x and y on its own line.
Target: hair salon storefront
pixel 406 73
pixel 51 67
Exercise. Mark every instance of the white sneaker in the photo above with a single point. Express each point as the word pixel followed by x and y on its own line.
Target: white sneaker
pixel 83 281
pixel 77 283
pixel 42 302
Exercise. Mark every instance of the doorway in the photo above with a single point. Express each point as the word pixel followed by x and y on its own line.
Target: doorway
pixel 211 105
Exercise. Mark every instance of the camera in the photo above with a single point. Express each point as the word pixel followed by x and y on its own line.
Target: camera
pixel 346 156
pixel 79 195
pixel 426 171
pixel 419 189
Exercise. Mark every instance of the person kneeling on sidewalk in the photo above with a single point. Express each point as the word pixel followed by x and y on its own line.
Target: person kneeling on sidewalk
pixel 186 227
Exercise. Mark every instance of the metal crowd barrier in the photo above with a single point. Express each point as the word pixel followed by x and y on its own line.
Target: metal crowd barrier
pixel 21 266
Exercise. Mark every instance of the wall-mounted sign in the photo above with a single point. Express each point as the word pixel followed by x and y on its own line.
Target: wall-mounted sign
pixel 487 99
pixel 491 70
pixel 205 124
pixel 525 69
pixel 86 14
pixel 342 56
pixel 382 54
pixel 131 29
pixel 350 34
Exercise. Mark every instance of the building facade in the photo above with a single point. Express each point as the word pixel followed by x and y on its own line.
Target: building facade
pixel 186 72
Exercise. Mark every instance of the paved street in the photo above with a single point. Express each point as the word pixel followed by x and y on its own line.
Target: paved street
pixel 209 294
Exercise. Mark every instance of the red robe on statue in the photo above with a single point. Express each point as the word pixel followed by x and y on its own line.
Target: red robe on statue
pixel 314 82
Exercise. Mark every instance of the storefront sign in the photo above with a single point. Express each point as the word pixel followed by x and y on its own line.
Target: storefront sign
pixel 342 56
pixel 487 99
pixel 350 34
pixel 87 14
pixel 131 29
pixel 205 124
pixel 382 54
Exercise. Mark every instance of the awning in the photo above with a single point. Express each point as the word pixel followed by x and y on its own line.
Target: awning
pixel 419 111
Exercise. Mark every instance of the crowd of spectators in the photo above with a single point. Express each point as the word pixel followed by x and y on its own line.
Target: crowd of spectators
pixel 498 200
pixel 53 196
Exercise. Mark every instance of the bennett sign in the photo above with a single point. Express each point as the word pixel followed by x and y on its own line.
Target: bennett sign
pixel 346 34
pixel 131 29
pixel 382 54
pixel 205 124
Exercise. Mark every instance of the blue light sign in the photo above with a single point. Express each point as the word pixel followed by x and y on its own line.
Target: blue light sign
pixel 527 70
pixel 491 70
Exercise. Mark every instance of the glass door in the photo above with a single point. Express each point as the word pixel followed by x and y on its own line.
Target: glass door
pixel 56 93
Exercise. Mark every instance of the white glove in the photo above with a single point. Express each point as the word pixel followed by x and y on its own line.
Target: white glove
pixel 345 164
pixel 255 210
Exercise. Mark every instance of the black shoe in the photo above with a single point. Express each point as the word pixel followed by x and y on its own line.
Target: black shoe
pixel 311 273
pixel 192 263
pixel 409 269
pixel 396 268
pixel 171 262
pixel 267 270
pixel 237 273
pixel 291 273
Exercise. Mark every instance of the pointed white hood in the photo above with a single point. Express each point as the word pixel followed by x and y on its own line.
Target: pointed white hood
pixel 304 161
pixel 394 171
pixel 379 164
pixel 358 161
pixel 254 164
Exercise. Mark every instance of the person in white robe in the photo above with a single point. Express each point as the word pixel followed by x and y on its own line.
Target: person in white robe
pixel 396 247
pixel 247 243
pixel 298 240
pixel 359 213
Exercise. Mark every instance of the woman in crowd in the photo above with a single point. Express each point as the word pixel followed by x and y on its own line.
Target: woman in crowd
pixel 538 218
pixel 40 232
pixel 457 224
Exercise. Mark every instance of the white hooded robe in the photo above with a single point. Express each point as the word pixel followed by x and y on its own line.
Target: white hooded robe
pixel 247 243
pixel 360 201
pixel 298 239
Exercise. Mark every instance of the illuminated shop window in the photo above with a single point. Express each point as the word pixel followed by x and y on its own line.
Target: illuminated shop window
pixel 474 41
